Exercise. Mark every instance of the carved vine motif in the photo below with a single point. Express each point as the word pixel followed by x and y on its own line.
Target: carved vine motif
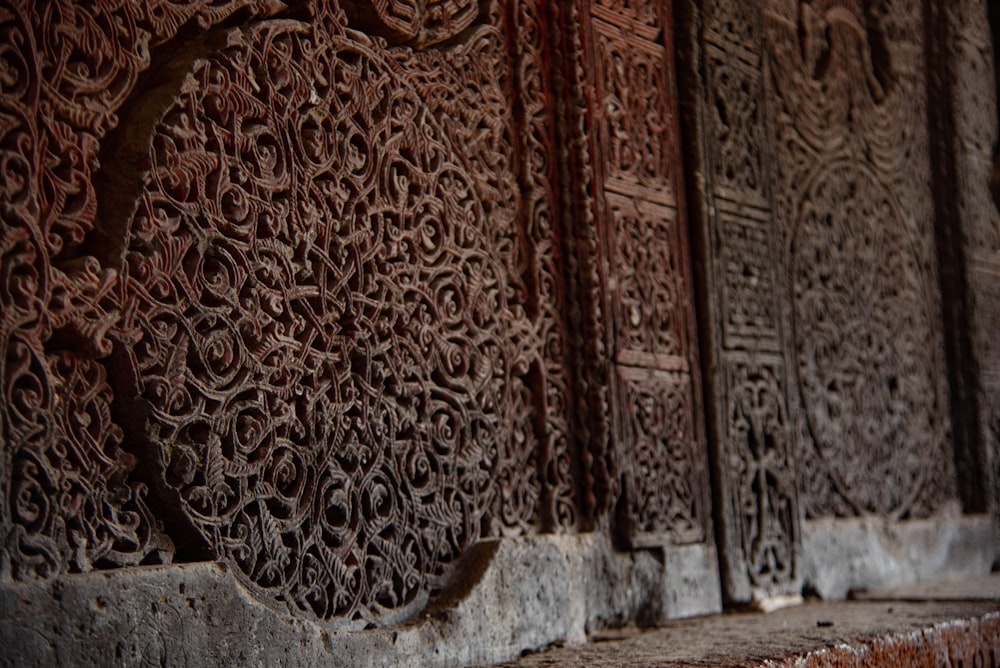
pixel 868 354
pixel 638 122
pixel 66 68
pixel 421 22
pixel 650 279
pixel 320 324
pixel 339 308
pixel 759 459
pixel 663 495
pixel 642 253
pixel 737 142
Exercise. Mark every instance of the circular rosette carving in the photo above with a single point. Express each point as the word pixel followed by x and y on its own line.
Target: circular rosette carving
pixel 865 341
pixel 318 326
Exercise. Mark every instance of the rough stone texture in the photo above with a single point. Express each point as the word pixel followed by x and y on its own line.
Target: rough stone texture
pixel 511 595
pixel 846 554
pixel 970 237
pixel 885 633
pixel 968 588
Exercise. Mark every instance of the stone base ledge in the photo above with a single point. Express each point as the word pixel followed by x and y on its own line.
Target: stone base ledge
pixel 511 595
pixel 844 555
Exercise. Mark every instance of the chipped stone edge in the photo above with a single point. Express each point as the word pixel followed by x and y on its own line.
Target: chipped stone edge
pixel 843 555
pixel 511 595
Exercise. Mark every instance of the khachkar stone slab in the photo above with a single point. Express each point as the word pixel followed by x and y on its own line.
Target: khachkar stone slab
pixel 632 249
pixel 290 300
pixel 827 383
pixel 847 100
pixel 70 501
pixel 756 496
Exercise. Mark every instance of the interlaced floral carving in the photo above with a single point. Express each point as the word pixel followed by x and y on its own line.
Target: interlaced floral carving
pixel 852 197
pixel 320 324
pixel 738 124
pixel 664 475
pixel 759 462
pixel 758 513
pixel 649 276
pixel 66 68
pixel 421 22
pixel 861 328
pixel 637 121
pixel 642 251
pixel 337 322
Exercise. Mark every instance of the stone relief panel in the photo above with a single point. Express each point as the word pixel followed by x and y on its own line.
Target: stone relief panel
pixel 661 494
pixel 642 299
pixel 759 459
pixel 758 511
pixel 847 105
pixel 302 311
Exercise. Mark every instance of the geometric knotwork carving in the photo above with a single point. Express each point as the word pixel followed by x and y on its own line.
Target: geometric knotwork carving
pixel 649 297
pixel 330 287
pixel 71 502
pixel 759 463
pixel 861 327
pixel 318 324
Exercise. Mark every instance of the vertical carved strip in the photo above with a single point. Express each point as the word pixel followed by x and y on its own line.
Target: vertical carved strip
pixel 962 71
pixel 639 275
pixel 586 304
pixel 558 459
pixel 757 503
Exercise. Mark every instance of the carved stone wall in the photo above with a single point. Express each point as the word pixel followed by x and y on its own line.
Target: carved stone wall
pixel 756 495
pixel 853 192
pixel 335 294
pixel 631 243
pixel 286 294
pixel 828 384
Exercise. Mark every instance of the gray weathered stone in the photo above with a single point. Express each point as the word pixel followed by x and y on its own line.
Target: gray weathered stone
pixel 846 554
pixel 511 595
